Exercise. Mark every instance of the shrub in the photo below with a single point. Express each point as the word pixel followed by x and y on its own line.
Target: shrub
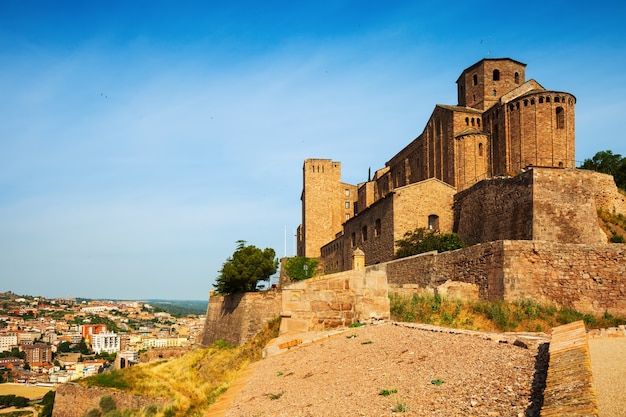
pixel 107 404
pixel 421 240
pixel 94 412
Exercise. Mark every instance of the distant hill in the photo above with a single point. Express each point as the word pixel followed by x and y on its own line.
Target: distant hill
pixel 180 307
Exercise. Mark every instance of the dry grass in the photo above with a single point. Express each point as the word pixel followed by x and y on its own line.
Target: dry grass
pixel 497 316
pixel 194 381
pixel 614 224
pixel 20 390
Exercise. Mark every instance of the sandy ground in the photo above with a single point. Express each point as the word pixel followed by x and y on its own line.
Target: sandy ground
pixel 423 373
pixel 608 364
pixel 28 391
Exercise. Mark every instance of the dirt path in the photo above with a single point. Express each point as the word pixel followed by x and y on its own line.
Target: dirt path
pixel 608 364
pixel 386 369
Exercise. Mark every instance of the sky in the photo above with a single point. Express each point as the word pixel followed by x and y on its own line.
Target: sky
pixel 140 140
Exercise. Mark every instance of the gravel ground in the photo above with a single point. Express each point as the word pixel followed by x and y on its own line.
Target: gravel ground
pixel 608 365
pixel 425 373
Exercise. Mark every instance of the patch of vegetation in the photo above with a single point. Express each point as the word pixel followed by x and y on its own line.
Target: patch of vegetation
pixel 400 408
pixel 357 324
pixel 422 240
pixel 500 316
pixel 613 223
pixel 437 382
pixel 274 396
pixel 388 392
pixel 193 382
pixel 299 268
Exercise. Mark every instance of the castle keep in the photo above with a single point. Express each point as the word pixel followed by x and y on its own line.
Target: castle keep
pixel 502 125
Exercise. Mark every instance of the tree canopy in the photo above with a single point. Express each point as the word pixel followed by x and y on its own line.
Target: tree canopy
pixel 300 267
pixel 247 266
pixel 608 163
pixel 421 240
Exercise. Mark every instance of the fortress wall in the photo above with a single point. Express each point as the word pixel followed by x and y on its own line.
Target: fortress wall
pixel 588 278
pixel 479 265
pixel 564 203
pixel 237 318
pixel 335 300
pixel 495 209
pixel 606 193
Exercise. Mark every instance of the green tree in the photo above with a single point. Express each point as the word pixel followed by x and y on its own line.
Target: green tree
pixel 421 240
pixel 300 267
pixel 247 266
pixel 64 347
pixel 608 163
pixel 48 404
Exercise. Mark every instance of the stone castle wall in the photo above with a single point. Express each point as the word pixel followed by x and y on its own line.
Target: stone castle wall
pixel 495 209
pixel 553 204
pixel 74 400
pixel 237 318
pixel 590 278
pixel 335 300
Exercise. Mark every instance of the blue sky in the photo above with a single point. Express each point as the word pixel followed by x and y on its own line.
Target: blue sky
pixel 139 140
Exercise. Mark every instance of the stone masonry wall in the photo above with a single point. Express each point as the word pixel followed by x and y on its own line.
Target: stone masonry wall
pixel 495 209
pixel 588 278
pixel 73 400
pixel 479 265
pixel 237 318
pixel 334 301
pixel 573 216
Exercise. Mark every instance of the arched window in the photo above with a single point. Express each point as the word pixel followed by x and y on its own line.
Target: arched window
pixel 540 100
pixel 377 228
pixel 495 93
pixel 433 222
pixel 473 121
pixel 364 233
pixel 517 78
pixel 478 121
pixel 353 240
pixel 496 75
pixel 556 99
pixel 480 149
pixel 475 79
pixel 467 121
pixel 560 118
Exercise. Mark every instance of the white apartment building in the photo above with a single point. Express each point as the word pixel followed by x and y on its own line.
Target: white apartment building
pixel 7 342
pixel 105 342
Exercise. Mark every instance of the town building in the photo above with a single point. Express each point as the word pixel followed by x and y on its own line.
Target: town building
pixel 7 342
pixel 37 353
pixel 105 342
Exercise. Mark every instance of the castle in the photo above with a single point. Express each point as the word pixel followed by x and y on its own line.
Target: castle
pixel 501 127
pixel 498 169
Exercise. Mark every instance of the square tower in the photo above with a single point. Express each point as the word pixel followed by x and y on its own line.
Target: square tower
pixel 481 85
pixel 326 204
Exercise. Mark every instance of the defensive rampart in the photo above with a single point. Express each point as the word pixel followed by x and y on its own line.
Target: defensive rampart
pixel 590 278
pixel 237 318
pixel 553 204
pixel 335 300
